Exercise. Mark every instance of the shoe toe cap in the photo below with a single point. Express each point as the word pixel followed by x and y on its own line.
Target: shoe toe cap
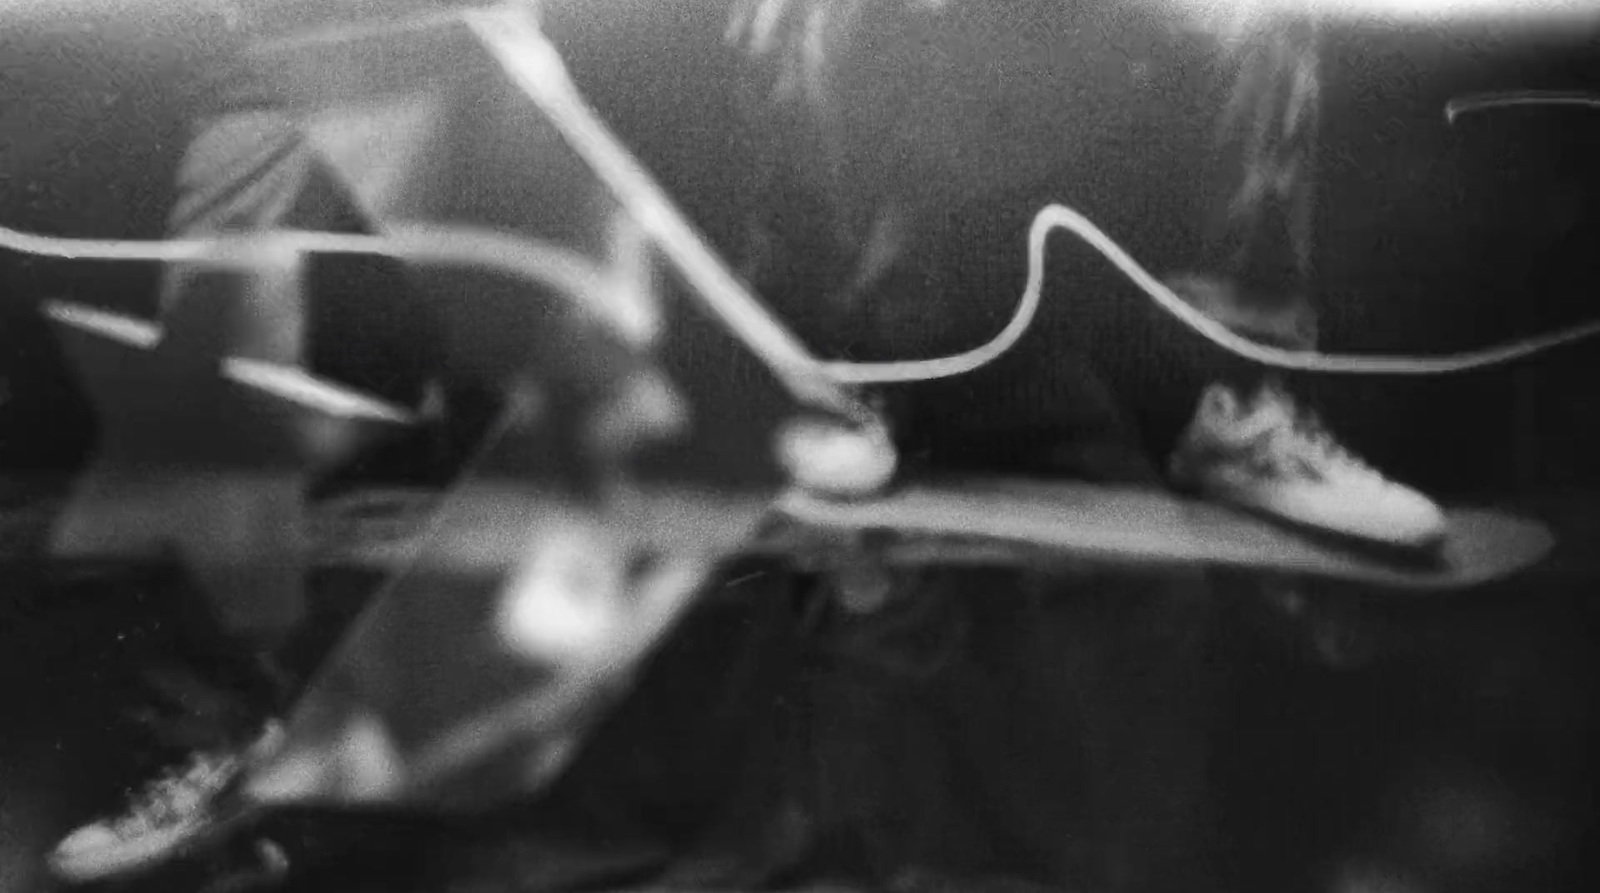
pixel 79 853
pixel 1380 512
pixel 86 839
pixel 1412 518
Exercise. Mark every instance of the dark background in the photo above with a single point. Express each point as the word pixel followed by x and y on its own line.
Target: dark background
pixel 1469 722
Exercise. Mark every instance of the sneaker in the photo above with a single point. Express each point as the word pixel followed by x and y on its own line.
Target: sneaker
pixel 837 459
pixel 167 814
pixel 1267 456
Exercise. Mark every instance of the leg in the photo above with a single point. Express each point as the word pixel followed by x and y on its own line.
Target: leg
pixel 244 172
pixel 1262 218
pixel 1248 442
pixel 1251 219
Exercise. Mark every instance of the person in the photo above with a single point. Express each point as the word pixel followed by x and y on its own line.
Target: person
pixel 1238 445
pixel 909 136
pixel 905 147
pixel 369 324
pixel 239 638
pixel 248 167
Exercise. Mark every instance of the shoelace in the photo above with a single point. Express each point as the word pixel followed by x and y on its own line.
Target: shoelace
pixel 164 799
pixel 1302 436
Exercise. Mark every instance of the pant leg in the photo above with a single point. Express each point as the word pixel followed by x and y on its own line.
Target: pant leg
pixel 1251 213
pixel 1263 204
pixel 253 169
pixel 242 172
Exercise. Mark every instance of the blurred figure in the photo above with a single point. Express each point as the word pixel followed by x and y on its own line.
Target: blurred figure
pixel 890 121
pixel 250 167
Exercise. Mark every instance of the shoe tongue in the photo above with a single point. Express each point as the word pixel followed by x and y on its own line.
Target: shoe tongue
pixel 1269 408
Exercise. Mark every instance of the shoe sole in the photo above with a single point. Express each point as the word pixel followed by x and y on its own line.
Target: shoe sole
pixel 1420 555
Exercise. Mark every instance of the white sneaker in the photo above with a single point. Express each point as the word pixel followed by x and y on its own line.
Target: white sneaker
pixel 835 459
pixel 1266 456
pixel 164 816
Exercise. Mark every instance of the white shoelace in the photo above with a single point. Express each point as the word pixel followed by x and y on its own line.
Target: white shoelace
pixel 1300 437
pixel 175 795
